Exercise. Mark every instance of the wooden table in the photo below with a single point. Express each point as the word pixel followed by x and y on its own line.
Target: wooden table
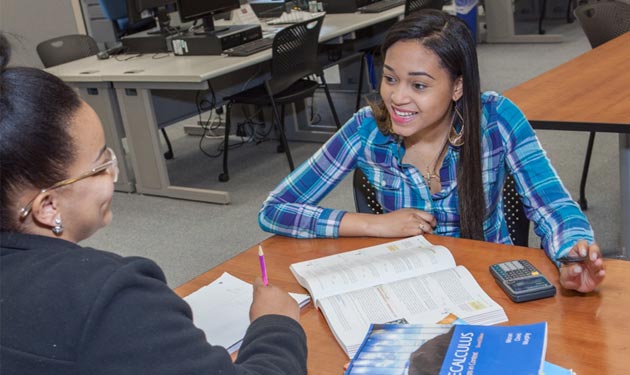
pixel 587 332
pixel 588 93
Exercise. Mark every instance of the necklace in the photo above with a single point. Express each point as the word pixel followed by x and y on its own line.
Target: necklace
pixel 431 167
pixel 431 173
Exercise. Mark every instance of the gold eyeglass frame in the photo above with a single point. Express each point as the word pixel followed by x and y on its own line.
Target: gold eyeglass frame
pixel 112 163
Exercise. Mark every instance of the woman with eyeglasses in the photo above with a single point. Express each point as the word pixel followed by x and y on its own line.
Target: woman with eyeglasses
pixel 66 309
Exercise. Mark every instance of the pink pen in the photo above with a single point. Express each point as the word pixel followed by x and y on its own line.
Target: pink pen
pixel 263 267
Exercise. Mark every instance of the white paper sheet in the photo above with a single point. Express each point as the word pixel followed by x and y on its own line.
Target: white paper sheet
pixel 221 310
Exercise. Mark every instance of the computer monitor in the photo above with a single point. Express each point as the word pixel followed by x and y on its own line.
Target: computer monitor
pixel 192 10
pixel 157 9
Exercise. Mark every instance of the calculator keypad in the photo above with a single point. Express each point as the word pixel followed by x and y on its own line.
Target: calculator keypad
pixel 516 269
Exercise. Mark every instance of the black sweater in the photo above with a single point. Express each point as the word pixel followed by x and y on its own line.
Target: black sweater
pixel 65 309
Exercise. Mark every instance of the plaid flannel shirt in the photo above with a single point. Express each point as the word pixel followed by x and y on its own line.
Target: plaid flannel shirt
pixel 509 145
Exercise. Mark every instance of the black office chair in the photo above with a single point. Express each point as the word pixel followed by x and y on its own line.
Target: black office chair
pixel 517 221
pixel 66 48
pixel 603 21
pixel 364 196
pixel 600 22
pixel 294 60
pixel 413 5
pixel 518 224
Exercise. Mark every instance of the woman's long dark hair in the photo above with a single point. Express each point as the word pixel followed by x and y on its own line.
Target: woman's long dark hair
pixel 35 145
pixel 450 39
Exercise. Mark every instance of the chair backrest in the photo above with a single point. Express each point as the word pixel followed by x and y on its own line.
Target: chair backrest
pixel 413 5
pixel 517 222
pixel 294 54
pixel 66 48
pixel 603 21
pixel 364 197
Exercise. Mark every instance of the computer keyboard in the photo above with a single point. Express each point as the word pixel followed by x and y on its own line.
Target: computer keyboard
pixel 381 6
pixel 249 48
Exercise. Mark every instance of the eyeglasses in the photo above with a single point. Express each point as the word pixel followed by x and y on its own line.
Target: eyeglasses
pixel 111 166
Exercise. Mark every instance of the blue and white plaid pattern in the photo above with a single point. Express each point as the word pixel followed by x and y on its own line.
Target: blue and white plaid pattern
pixel 509 144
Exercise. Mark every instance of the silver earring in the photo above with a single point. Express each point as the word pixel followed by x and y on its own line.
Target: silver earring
pixel 58 228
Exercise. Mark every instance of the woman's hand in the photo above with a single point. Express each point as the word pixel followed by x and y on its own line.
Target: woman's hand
pixel 583 277
pixel 272 300
pixel 400 223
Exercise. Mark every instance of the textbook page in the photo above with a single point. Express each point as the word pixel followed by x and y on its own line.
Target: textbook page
pixel 370 266
pixel 221 310
pixel 422 299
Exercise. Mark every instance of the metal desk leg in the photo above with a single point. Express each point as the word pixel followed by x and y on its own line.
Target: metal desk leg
pixel 139 120
pixel 102 98
pixel 543 10
pixel 624 177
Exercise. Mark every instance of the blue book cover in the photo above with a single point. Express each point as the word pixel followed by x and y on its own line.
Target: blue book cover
pixel 488 350
pixel 386 348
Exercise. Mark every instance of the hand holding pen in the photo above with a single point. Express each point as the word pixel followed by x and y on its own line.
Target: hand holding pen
pixel 270 299
pixel 582 268
pixel 571 259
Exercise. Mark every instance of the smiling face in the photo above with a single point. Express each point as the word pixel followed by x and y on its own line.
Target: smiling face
pixel 83 199
pixel 417 91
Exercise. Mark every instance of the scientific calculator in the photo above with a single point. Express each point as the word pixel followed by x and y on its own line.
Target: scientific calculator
pixel 521 281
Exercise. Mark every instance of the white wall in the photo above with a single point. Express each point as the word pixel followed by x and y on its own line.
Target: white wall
pixel 28 22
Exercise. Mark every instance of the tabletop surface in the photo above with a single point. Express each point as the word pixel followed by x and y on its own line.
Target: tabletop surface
pixel 591 88
pixel 587 332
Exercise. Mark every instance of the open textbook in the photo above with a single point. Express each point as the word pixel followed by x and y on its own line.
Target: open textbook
pixel 410 280
pixel 221 310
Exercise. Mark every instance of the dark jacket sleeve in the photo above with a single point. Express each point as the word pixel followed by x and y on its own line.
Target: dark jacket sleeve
pixel 273 344
pixel 137 325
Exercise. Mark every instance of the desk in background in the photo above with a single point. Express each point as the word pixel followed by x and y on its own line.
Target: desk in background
pixel 586 332
pixel 589 93
pixel 134 96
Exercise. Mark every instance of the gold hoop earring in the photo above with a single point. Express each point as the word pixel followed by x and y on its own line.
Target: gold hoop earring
pixel 456 139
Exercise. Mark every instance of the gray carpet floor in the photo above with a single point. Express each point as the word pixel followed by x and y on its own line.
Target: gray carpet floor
pixel 187 238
